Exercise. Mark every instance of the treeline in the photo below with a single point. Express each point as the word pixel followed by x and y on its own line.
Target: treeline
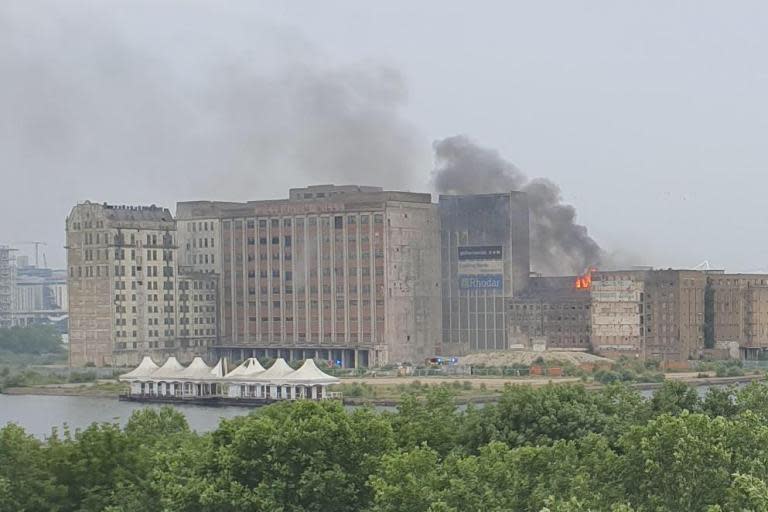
pixel 35 339
pixel 557 448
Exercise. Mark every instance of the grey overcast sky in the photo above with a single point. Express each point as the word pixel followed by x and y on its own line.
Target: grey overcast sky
pixel 651 115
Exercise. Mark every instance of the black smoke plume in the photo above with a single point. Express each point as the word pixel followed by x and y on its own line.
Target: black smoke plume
pixel 558 244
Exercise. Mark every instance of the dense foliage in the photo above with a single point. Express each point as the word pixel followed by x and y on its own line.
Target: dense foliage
pixel 557 448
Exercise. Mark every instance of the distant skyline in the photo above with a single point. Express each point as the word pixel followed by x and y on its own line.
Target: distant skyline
pixel 650 116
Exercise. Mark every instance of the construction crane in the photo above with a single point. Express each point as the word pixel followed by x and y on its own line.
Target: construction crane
pixel 37 250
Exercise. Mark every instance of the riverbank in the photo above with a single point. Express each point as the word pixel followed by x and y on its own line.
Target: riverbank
pixel 99 389
pixel 387 391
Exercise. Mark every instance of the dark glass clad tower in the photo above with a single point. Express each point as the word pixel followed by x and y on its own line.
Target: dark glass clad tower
pixel 485 260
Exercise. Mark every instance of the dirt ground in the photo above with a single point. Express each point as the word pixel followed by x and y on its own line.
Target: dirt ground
pixel 526 357
pixel 491 383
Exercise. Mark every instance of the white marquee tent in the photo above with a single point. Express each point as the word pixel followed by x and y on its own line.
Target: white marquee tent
pixel 248 381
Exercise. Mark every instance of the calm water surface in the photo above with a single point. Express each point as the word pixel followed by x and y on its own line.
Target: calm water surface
pixel 39 414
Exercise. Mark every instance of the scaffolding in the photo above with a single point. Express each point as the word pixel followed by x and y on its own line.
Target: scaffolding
pixel 7 285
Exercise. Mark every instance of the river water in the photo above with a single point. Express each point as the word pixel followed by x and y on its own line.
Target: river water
pixel 39 414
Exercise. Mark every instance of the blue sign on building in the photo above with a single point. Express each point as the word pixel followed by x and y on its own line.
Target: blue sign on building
pixel 481 282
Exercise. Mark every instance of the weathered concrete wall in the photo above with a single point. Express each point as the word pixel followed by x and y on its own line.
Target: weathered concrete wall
pixel 90 288
pixel 412 262
pixel 617 313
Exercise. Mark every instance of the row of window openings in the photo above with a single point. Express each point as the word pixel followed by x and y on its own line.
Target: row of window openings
pixel 119 308
pixel 197 298
pixel 200 243
pixel 152 333
pixel 89 224
pixel 301 305
pixel 338 221
pixel 166 321
pixel 155 309
pixel 288 290
pixel 326 272
pixel 199 226
pixel 152 254
pixel 378 254
pixel 151 285
pixel 167 239
pixel 203 259
pixel 149 271
pixel 545 307
pixel 196 309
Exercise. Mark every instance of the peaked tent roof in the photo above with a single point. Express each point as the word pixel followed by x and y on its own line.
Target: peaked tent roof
pixel 278 371
pixel 171 369
pixel 146 368
pixel 247 368
pixel 196 370
pixel 310 374
pixel 220 369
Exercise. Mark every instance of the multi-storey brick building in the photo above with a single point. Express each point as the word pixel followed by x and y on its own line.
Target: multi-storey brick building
pixel 737 311
pixel 653 314
pixel 350 274
pixel 553 312
pixel 485 262
pixel 123 285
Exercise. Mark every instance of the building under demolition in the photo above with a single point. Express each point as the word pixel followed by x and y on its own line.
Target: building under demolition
pixel 649 314
pixel 551 313
pixel 360 276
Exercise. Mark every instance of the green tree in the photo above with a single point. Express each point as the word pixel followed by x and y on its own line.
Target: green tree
pixel 674 397
pixel 302 456
pixel 25 482
pixel 747 494
pixel 432 421
pixel 687 462
pixel 100 466
pixel 150 425
pixel 753 397
pixel 720 402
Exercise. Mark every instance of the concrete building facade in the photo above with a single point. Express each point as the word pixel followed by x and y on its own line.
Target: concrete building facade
pixel 198 310
pixel 7 286
pixel 485 262
pixel 737 311
pixel 649 314
pixel 618 313
pixel 344 273
pixel 553 313
pixel 122 282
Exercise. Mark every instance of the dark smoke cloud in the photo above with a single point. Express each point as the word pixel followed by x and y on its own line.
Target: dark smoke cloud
pixel 156 102
pixel 558 244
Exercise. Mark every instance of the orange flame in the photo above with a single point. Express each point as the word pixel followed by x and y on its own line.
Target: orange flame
pixel 584 282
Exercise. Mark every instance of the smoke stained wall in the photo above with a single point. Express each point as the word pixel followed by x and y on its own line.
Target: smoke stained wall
pixel 558 244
